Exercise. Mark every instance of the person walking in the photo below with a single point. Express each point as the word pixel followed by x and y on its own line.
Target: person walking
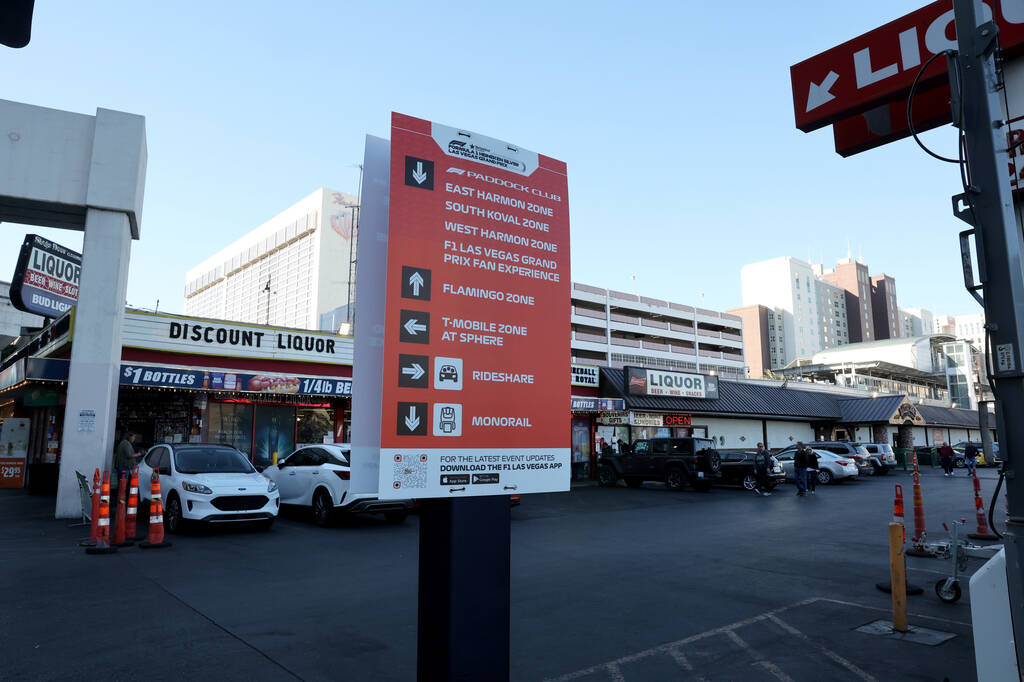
pixel 946 456
pixel 971 459
pixel 800 469
pixel 761 461
pixel 812 470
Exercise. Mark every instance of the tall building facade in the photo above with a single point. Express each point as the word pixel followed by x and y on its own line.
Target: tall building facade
pixel 288 271
pixel 789 287
pixel 613 328
pixel 916 322
pixel 763 340
pixel 884 307
pixel 972 328
pixel 852 276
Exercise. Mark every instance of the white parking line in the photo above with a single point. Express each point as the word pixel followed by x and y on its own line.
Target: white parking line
pixel 914 615
pixel 685 664
pixel 828 652
pixel 758 658
pixel 615 672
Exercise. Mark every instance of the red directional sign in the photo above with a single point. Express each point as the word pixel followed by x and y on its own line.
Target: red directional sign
pixel 888 122
pixel 879 67
pixel 476 332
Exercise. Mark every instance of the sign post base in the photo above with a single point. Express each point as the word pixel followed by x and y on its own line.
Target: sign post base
pixel 463 623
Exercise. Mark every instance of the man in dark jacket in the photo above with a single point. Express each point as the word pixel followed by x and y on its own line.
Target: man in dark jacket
pixel 800 469
pixel 762 460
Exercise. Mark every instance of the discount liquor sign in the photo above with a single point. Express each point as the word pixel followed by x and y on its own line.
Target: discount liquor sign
pixel 476 339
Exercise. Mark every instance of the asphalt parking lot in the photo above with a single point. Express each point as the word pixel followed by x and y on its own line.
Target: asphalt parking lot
pixel 607 584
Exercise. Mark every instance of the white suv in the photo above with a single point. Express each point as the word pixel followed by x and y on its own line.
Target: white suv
pixel 318 476
pixel 201 482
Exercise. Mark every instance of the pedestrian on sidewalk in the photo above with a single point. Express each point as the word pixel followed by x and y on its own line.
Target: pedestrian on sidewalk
pixel 971 459
pixel 812 470
pixel 946 456
pixel 800 469
pixel 762 459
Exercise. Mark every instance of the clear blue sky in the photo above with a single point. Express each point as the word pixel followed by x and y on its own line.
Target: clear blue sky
pixel 675 120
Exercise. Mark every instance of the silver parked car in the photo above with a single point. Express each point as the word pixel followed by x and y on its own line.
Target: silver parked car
pixel 885 455
pixel 831 467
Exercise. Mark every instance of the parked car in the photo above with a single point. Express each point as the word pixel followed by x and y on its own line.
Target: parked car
pixel 209 483
pixel 318 476
pixel 884 454
pixel 867 464
pixel 679 462
pixel 831 467
pixel 738 468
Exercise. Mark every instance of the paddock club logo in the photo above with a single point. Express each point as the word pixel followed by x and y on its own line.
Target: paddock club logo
pixel 502 182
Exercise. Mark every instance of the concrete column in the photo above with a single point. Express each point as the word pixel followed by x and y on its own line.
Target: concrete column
pixel 95 355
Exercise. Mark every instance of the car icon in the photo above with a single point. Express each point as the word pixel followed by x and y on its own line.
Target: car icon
pixel 448 373
pixel 447 422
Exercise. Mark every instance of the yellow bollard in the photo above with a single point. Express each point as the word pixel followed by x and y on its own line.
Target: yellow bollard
pixel 898 577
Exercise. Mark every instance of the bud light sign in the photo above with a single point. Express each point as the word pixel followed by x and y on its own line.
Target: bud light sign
pixel 46 278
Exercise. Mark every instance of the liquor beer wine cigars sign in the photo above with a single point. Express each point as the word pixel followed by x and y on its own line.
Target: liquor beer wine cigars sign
pixel 46 278
pixel 656 382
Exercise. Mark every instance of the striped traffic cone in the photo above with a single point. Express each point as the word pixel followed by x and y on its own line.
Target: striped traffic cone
pixel 103 540
pixel 979 509
pixel 920 535
pixel 131 527
pixel 122 514
pixel 94 521
pixel 156 517
pixel 897 516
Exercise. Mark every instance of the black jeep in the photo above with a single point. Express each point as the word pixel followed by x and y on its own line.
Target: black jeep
pixel 679 462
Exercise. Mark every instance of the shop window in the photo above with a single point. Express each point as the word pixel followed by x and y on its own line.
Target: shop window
pixel 312 425
pixel 273 433
pixel 230 424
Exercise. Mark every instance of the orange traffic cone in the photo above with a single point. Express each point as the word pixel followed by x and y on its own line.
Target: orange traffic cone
pixel 94 522
pixel 103 540
pixel 917 540
pixel 131 527
pixel 122 514
pixel 979 508
pixel 156 517
pixel 897 510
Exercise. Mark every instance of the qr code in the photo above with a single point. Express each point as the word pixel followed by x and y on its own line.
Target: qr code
pixel 410 471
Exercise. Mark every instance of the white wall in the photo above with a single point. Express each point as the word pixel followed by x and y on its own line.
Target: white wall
pixel 782 434
pixel 738 433
pixel 957 435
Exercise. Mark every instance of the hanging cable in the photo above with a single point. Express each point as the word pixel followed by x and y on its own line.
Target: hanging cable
pixel 910 108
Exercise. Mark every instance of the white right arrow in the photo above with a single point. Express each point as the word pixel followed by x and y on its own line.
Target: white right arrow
pixel 416 281
pixel 418 175
pixel 412 421
pixel 819 94
pixel 412 327
pixel 415 371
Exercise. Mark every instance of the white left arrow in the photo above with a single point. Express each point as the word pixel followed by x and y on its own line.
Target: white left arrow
pixel 412 326
pixel 416 281
pixel 418 175
pixel 415 371
pixel 819 94
pixel 411 420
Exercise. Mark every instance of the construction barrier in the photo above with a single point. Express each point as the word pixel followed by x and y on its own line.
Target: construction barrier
pixel 156 517
pixel 103 545
pixel 983 532
pixel 131 527
pixel 122 513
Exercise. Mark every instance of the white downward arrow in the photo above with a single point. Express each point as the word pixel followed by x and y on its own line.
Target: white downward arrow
pixel 412 421
pixel 819 94
pixel 415 371
pixel 412 327
pixel 416 281
pixel 418 175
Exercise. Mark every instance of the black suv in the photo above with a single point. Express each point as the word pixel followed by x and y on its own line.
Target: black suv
pixel 679 462
pixel 738 468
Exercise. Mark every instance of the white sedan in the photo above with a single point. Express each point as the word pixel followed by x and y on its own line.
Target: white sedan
pixel 200 482
pixel 831 467
pixel 318 476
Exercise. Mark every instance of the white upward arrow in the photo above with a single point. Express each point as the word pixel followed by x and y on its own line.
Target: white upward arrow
pixel 418 175
pixel 415 371
pixel 412 421
pixel 819 94
pixel 416 281
pixel 412 327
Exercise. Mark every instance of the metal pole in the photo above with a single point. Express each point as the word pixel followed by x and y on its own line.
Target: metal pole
pixel 987 205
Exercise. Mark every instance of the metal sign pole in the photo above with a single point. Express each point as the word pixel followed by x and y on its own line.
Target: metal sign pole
pixel 987 205
pixel 464 603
